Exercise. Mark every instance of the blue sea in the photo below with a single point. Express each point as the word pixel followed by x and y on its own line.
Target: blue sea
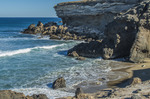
pixel 29 64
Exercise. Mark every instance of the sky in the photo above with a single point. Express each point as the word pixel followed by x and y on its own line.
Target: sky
pixel 29 8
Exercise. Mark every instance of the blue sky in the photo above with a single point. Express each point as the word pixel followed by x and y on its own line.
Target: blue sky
pixel 28 8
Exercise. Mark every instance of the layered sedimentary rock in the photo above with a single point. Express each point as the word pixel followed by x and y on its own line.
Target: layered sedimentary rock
pixel 126 35
pixel 92 16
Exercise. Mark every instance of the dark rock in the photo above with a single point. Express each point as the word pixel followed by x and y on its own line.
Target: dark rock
pixel 92 49
pixel 136 97
pixel 137 91
pixel 59 83
pixel 40 24
pixel 78 92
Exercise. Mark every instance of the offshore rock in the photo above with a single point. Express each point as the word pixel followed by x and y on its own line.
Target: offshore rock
pixel 55 31
pixel 59 83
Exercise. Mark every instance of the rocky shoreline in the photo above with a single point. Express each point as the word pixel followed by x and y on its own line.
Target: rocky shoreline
pixel 113 29
pixel 122 36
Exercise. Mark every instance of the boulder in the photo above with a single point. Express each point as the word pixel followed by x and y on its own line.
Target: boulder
pixel 59 83
pixel 135 80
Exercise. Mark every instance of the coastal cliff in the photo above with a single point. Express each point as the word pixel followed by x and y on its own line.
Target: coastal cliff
pixel 123 26
pixel 91 17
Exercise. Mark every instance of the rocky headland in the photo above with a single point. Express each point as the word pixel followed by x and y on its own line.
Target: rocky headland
pixel 122 27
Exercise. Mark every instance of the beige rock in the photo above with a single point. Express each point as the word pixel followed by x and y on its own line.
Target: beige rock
pixel 135 80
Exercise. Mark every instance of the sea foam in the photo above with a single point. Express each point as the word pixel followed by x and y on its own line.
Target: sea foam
pixel 27 50
pixel 50 93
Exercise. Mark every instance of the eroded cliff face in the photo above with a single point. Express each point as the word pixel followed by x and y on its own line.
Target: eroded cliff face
pixel 92 16
pixel 126 35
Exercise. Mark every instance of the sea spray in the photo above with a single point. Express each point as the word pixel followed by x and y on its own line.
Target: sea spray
pixel 27 50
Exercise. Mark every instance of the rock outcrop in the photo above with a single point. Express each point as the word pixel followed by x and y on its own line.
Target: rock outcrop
pixel 91 16
pixel 127 34
pixel 59 83
pixel 55 31
pixel 8 94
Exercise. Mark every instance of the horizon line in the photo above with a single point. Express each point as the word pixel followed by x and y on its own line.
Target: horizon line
pixel 29 17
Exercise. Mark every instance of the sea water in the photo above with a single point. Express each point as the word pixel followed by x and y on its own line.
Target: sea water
pixel 30 65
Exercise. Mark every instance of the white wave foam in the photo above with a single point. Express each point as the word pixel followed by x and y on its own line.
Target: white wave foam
pixel 27 50
pixel 50 93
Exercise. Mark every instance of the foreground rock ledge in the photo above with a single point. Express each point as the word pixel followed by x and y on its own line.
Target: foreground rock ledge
pixel 8 94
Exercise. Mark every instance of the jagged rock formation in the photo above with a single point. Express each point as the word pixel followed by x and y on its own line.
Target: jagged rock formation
pixel 92 16
pixel 59 83
pixel 55 31
pixel 127 35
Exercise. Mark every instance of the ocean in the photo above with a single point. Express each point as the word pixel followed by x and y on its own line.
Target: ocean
pixel 30 65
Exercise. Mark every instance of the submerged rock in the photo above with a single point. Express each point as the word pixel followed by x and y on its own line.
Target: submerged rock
pixel 59 83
